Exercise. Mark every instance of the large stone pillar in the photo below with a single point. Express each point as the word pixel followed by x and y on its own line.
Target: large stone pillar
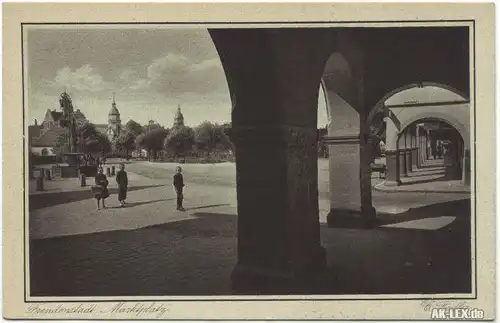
pixel 350 198
pixel 350 151
pixel 278 216
pixel 274 131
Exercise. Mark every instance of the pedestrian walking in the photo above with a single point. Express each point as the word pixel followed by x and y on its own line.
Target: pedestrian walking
pixel 178 187
pixel 101 188
pixel 122 180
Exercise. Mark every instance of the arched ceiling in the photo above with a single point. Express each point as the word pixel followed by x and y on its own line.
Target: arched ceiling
pixel 423 95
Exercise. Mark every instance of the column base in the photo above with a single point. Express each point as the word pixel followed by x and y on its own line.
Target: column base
pixel 315 279
pixel 344 218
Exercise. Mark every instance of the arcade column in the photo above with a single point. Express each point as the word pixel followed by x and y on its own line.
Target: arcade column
pixel 392 155
pixel 350 181
pixel 414 148
pixel 453 157
pixel 403 171
pixel 423 147
pixel 408 150
pixel 274 131
pixel 466 171
pixel 418 144
pixel 350 153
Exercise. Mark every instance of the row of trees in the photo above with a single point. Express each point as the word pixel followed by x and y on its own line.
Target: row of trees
pixel 179 141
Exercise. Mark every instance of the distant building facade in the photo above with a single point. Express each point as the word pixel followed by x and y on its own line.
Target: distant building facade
pixel 42 138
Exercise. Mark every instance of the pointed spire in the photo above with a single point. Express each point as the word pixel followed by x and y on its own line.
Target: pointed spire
pixel 114 98
pixel 179 118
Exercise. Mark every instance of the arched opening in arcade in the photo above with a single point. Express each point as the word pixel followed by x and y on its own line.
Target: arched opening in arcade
pixel 274 95
pixel 420 123
pixel 429 150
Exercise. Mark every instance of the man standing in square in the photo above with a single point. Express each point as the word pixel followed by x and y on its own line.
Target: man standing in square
pixel 178 186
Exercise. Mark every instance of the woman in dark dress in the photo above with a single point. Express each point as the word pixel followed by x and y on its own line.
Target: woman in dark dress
pixel 122 180
pixel 102 192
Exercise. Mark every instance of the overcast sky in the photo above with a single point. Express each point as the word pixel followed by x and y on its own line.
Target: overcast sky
pixel 150 71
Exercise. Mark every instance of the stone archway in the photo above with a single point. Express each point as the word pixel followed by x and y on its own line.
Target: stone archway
pixel 435 115
pixel 403 106
pixel 409 147
pixel 274 131
pixel 428 130
pixel 274 91
pixel 350 182
pixel 380 106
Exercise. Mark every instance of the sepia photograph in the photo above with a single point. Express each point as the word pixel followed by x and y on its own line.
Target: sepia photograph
pixel 230 162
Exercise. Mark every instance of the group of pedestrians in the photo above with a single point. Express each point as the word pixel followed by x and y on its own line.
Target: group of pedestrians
pixel 101 192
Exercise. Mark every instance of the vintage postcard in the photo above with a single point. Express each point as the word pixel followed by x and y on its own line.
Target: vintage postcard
pixel 249 161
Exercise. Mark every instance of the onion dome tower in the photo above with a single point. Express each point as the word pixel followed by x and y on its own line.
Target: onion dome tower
pixel 114 121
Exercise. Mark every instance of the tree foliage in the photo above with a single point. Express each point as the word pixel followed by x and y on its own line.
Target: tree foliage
pixel 152 139
pixel 125 142
pixel 97 143
pixel 179 140
pixel 206 136
pixel 89 141
pixel 134 127
pixel 209 136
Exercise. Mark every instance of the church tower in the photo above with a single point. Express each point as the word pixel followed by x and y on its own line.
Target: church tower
pixel 179 118
pixel 114 122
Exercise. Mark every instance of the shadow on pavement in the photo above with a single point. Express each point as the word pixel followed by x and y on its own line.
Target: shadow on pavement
pixel 205 207
pixel 38 201
pixel 452 208
pixel 133 204
pixel 196 256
